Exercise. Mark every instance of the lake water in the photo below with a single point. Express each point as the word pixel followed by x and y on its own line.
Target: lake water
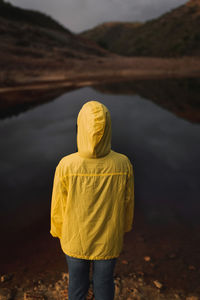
pixel 163 148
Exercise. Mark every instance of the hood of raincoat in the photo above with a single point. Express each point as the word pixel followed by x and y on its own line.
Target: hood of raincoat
pixel 94 130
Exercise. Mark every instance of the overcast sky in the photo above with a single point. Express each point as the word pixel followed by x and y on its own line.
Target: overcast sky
pixel 79 15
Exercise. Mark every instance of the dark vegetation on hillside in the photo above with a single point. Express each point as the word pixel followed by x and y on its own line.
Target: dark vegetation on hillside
pixel 176 33
pixel 27 34
pixel 13 13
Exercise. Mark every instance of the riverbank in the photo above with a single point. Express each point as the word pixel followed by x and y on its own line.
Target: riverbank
pixel 76 73
pixel 21 89
pixel 128 287
pixel 156 263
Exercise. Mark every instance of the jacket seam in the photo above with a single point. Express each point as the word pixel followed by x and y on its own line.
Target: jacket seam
pixel 92 174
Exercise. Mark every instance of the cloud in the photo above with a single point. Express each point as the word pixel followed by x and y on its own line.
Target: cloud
pixel 79 15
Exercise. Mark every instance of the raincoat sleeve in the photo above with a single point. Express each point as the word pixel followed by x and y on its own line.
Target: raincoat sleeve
pixel 58 204
pixel 129 200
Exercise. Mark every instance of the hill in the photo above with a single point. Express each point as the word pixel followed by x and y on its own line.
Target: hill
pixel 13 13
pixel 174 34
pixel 38 52
pixel 33 42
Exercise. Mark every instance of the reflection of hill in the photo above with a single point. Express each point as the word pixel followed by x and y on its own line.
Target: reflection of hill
pixel 175 33
pixel 13 103
pixel 180 96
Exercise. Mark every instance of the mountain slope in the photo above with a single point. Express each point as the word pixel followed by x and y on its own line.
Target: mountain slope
pixel 29 36
pixel 13 13
pixel 175 33
pixel 110 35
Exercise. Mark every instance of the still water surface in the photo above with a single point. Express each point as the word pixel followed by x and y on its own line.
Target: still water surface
pixel 163 148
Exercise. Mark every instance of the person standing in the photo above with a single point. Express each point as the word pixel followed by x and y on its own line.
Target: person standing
pixel 92 204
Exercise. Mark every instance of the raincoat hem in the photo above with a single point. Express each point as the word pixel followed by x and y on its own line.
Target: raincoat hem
pixel 54 234
pixel 90 257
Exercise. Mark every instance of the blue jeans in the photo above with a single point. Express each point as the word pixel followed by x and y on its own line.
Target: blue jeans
pixel 102 279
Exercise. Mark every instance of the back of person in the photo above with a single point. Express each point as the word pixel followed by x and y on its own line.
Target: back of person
pixel 93 192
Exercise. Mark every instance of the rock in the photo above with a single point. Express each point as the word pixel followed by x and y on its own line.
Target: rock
pixel 147 258
pixel 65 276
pixel 158 284
pixel 140 273
pixel 6 277
pixel 140 279
pixel 134 291
pixel 57 286
pixel 125 262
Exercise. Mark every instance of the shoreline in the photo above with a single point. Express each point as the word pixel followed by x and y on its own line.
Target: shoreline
pixel 128 287
pixel 157 262
pixel 99 79
pixel 97 71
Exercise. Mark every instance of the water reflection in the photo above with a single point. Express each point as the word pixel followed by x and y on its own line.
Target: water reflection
pixel 180 96
pixel 163 148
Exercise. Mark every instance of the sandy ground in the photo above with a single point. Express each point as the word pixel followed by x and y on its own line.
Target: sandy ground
pixel 156 263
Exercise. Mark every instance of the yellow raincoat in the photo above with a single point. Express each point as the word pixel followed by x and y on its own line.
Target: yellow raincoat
pixel 93 191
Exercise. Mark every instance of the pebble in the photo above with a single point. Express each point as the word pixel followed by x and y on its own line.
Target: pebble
pixel 125 262
pixel 140 273
pixel 134 291
pixel 6 277
pixel 65 276
pixel 158 284
pixel 147 258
